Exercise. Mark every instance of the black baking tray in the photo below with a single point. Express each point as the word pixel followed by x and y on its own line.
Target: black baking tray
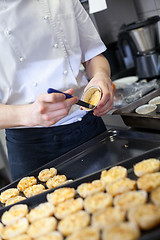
pixel 129 163
pixel 132 119
pixel 111 147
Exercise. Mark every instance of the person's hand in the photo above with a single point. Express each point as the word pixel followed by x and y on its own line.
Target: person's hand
pixel 106 102
pixel 49 109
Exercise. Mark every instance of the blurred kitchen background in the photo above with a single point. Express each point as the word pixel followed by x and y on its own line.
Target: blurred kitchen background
pixel 108 23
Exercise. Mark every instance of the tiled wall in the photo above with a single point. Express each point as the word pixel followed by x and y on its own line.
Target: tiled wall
pixel 110 20
pixel 123 11
pixel 147 8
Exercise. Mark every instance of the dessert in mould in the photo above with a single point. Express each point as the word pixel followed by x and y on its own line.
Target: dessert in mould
pixel 95 97
pixel 92 96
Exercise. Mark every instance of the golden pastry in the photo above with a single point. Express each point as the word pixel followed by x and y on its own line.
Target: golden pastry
pixel 88 233
pixel 41 227
pixel 34 190
pixel 46 174
pixel 17 228
pixel 97 202
pixel 15 213
pixel 9 193
pixel 146 216
pixel 55 235
pixel 26 182
pixel 130 199
pixel 68 207
pixel 146 166
pixel 22 237
pixel 56 181
pixel 149 181
pixel 74 222
pixel 122 231
pixel 155 196
pixel 107 217
pixel 13 200
pixel 120 186
pixel 87 189
pixel 41 211
pixel 60 195
pixel 1 229
pixel 114 173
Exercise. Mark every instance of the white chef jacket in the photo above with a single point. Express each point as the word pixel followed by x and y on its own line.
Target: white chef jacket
pixel 42 45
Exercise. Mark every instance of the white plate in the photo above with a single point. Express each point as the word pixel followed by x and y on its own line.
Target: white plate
pixel 124 82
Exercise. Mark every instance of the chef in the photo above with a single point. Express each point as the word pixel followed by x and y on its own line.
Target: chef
pixel 43 44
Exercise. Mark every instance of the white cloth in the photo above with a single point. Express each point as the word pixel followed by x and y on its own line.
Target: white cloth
pixel 96 6
pixel 42 44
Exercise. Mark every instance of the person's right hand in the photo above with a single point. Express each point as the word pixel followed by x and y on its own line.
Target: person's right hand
pixel 49 109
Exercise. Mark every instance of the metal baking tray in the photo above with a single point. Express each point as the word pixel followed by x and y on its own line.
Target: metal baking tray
pixel 135 120
pixel 129 163
pixel 111 147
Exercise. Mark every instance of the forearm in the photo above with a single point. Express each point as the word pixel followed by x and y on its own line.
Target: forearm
pixel 12 116
pixel 96 66
pixel 98 70
pixel 45 111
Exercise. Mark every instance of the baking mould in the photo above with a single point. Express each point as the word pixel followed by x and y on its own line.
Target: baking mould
pixel 132 119
pixel 146 109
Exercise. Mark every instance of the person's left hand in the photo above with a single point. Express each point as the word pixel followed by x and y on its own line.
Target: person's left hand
pixel 105 84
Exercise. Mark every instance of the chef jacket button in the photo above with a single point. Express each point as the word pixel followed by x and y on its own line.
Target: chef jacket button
pixel 65 72
pixel 46 17
pixel 35 84
pixel 21 59
pixel 80 119
pixel 56 45
pixel 8 32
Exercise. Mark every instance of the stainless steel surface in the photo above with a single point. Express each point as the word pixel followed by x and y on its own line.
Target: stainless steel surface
pixel 111 147
pixel 141 121
pixel 145 38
